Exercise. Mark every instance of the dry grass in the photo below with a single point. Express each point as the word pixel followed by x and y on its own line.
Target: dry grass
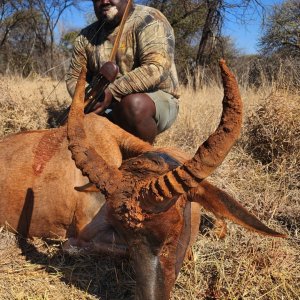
pixel 29 104
pixel 261 172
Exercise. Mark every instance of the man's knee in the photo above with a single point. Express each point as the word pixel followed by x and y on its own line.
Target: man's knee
pixel 137 107
pixel 136 114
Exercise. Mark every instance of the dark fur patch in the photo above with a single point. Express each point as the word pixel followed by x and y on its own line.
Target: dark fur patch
pixel 169 160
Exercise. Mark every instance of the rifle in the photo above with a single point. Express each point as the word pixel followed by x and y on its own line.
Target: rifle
pixel 94 92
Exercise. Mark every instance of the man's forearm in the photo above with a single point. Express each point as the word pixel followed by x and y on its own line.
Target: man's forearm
pixel 139 80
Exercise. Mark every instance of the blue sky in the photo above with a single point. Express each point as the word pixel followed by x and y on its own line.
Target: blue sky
pixel 245 35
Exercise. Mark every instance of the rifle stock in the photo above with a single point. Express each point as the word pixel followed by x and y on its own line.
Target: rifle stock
pixel 94 92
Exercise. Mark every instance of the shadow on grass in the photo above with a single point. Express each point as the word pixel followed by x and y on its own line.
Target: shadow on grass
pixel 98 275
pixel 102 276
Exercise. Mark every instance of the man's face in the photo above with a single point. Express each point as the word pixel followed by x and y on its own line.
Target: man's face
pixel 110 10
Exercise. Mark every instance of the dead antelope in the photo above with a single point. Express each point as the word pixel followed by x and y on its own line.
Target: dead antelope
pixel 150 198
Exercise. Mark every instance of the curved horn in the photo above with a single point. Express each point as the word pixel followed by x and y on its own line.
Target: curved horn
pixel 86 157
pixel 208 156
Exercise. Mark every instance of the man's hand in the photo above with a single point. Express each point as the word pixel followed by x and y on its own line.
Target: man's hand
pixel 100 107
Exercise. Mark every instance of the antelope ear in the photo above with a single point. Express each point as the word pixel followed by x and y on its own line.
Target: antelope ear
pixel 88 188
pixel 223 205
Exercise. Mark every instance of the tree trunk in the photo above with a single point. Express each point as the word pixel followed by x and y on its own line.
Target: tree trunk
pixel 209 28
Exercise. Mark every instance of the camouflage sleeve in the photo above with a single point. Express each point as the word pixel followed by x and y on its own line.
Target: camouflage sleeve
pixel 78 59
pixel 156 52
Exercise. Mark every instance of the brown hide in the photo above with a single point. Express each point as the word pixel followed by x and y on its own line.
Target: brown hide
pixel 38 169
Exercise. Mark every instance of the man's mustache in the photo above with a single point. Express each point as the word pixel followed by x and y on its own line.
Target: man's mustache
pixel 107 6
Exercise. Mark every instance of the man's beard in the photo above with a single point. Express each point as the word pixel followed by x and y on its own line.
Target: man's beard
pixel 111 13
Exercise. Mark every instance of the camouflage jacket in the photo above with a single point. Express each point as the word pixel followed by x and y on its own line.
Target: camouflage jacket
pixel 145 55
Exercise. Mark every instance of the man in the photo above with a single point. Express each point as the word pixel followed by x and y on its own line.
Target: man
pixel 144 98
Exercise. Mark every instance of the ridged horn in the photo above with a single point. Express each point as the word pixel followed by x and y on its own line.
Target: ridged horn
pixel 209 155
pixel 86 158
